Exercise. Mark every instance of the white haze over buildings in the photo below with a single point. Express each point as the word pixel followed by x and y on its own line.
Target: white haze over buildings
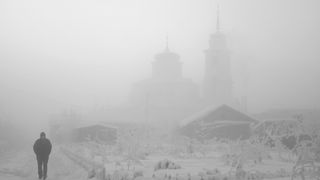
pixel 87 53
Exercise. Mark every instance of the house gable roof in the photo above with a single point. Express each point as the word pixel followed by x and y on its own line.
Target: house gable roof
pixel 221 113
pixel 222 121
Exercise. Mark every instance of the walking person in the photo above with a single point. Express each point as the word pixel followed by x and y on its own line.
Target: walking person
pixel 42 148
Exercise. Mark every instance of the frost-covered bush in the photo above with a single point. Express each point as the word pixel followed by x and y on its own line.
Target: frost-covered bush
pixel 121 175
pixel 248 151
pixel 137 174
pixel 213 171
pixel 166 164
pixel 213 174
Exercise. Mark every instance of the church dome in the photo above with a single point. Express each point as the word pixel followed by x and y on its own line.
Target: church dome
pixel 167 55
pixel 167 65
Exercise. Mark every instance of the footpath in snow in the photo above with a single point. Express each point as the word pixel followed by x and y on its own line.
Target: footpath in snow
pixel 23 166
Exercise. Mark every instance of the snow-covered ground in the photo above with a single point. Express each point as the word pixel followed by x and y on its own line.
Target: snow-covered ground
pixel 22 165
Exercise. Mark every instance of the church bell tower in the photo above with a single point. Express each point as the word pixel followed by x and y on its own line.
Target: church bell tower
pixel 217 83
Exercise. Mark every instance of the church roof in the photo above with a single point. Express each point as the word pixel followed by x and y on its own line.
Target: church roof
pixel 167 54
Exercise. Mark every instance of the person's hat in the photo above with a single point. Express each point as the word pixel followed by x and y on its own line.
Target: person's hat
pixel 42 134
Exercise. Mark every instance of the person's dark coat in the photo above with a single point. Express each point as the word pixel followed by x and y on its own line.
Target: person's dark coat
pixel 42 147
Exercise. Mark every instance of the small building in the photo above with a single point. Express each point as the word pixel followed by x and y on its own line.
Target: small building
pixel 99 132
pixel 221 122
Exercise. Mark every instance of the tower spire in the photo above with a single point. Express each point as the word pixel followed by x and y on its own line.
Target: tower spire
pixel 218 19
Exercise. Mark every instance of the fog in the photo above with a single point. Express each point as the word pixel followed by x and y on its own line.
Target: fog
pixel 83 54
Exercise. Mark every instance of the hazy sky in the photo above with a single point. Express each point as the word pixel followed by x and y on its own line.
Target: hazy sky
pixel 61 53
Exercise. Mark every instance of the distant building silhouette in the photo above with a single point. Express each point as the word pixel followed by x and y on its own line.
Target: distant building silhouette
pixel 217 82
pixel 166 96
pixel 167 87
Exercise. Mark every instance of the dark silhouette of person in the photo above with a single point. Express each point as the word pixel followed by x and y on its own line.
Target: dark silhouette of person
pixel 42 148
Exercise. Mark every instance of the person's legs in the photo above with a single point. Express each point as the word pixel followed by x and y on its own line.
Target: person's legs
pixel 39 161
pixel 45 166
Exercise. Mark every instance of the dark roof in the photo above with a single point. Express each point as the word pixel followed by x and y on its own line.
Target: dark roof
pixel 223 121
pixel 97 124
pixel 221 113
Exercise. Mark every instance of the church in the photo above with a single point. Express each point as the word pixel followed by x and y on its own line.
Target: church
pixel 217 81
pixel 168 97
pixel 166 88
